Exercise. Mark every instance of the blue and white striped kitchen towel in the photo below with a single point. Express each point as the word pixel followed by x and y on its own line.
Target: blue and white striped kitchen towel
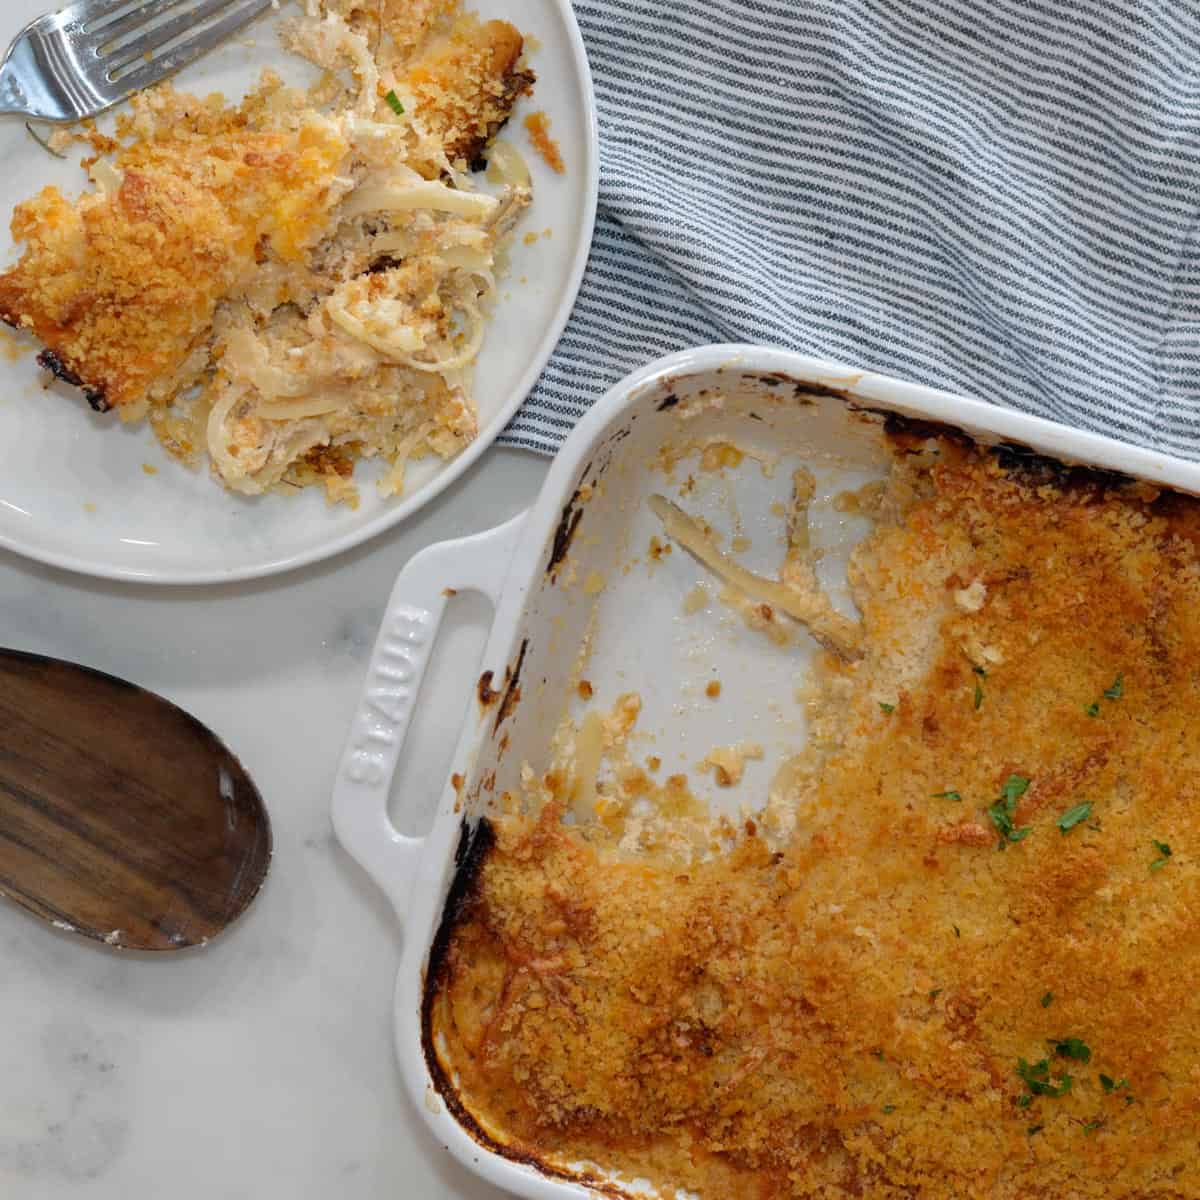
pixel 999 197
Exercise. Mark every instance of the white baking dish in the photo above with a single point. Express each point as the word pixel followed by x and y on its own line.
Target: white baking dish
pixel 576 568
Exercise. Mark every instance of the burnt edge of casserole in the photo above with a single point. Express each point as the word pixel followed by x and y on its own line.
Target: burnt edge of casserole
pixel 475 844
pixel 1031 466
pixel 572 512
pixel 512 688
pixel 48 360
pixel 564 534
pixel 803 390
pixel 901 430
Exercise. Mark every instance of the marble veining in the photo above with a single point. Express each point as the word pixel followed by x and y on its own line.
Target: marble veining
pixel 75 1128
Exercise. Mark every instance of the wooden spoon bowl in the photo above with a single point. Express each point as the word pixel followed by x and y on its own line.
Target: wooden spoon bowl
pixel 122 818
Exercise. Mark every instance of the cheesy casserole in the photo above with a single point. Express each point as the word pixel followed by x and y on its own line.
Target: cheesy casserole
pixel 955 951
pixel 298 281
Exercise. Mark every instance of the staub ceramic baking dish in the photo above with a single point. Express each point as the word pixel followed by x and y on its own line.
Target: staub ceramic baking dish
pixel 574 576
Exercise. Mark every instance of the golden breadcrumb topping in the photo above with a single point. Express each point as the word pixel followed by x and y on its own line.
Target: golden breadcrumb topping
pixel 122 286
pixel 966 966
pixel 298 281
pixel 395 28
pixel 465 83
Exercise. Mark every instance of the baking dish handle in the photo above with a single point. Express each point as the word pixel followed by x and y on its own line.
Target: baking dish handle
pixel 398 662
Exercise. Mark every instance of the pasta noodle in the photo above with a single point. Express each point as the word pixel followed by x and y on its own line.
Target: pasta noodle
pixel 404 196
pixel 810 607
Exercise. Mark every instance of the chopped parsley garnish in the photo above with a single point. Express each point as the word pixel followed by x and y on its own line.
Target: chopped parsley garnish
pixel 1165 853
pixel 1073 816
pixel 1047 999
pixel 393 102
pixel 877 1054
pixel 1109 1085
pixel 1015 786
pixel 1036 1077
pixel 1001 819
pixel 933 995
pixel 1110 693
pixel 1072 1047
pixel 980 673
pixel 889 1108
pixel 949 795
pixel 1092 1126
pixel 887 708
pixel 1002 812
pixel 1034 1129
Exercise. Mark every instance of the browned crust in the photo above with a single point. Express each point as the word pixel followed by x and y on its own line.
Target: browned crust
pixel 121 289
pixel 550 908
pixel 52 363
pixel 110 287
pixel 475 845
pixel 514 84
pixel 467 82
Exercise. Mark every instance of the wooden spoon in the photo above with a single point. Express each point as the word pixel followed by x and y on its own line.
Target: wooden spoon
pixel 122 818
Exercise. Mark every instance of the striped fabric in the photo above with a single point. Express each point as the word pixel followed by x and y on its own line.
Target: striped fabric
pixel 998 197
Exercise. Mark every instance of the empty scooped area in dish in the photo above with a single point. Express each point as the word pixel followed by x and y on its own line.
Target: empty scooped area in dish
pixel 715 673
pixel 629 619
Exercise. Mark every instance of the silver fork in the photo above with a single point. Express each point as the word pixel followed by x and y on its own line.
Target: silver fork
pixel 93 54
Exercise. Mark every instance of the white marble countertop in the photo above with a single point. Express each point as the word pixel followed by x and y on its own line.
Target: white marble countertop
pixel 261 1066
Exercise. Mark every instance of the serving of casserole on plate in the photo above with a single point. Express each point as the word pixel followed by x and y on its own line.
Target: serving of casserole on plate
pixel 295 290
pixel 858 861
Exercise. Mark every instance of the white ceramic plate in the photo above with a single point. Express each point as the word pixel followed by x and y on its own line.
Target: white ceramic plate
pixel 73 491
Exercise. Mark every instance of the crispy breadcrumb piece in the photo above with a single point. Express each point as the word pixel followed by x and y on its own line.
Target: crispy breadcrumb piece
pixel 394 28
pixel 80 283
pixel 537 125
pixel 466 82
